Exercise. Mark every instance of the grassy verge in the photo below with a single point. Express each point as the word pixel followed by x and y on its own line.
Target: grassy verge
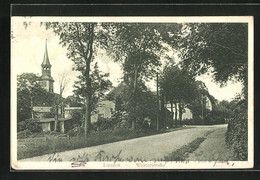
pixel 182 153
pixel 54 144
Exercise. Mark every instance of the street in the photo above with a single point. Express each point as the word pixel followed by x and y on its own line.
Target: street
pixel 154 147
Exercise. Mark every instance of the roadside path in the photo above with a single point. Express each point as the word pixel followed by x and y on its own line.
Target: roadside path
pixel 149 147
pixel 213 148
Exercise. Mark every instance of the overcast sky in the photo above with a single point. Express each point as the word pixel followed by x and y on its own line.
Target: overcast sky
pixel 28 50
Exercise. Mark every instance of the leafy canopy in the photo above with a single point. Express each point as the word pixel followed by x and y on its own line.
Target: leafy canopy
pixel 223 47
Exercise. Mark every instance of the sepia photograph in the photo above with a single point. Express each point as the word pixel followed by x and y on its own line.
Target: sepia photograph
pixel 132 93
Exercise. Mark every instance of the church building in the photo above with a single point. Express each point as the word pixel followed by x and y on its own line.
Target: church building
pixel 46 81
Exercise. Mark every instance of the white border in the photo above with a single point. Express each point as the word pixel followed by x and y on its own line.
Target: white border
pixel 127 165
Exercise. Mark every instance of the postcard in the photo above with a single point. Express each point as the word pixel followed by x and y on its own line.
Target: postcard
pixel 132 92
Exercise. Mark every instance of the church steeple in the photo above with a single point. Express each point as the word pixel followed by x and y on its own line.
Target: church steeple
pixel 46 79
pixel 46 61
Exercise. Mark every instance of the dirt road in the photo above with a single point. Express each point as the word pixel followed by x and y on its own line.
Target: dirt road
pixel 150 147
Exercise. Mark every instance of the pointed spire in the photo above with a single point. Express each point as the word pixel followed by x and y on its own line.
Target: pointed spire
pixel 46 61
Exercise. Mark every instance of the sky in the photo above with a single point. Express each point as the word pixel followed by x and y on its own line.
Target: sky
pixel 27 50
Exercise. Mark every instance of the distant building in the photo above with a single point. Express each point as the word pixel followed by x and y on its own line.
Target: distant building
pixel 64 124
pixel 40 112
pixel 69 110
pixel 104 109
pixel 208 103
pixel 186 112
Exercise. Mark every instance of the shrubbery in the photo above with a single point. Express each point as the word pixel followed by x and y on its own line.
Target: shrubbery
pixel 29 124
pixel 27 127
pixel 77 117
pixel 237 133
pixel 103 124
pixel 76 131
pixel 24 134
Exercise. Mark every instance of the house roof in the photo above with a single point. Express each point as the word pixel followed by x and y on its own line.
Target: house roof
pixel 42 109
pixel 73 108
pixel 117 90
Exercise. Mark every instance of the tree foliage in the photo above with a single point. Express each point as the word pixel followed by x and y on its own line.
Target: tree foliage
pixel 178 87
pixel 137 46
pixel 223 47
pixel 100 84
pixel 29 94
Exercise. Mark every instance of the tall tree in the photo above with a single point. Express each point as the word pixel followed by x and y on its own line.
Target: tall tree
pixel 138 47
pixel 62 81
pixel 100 84
pixel 198 106
pixel 179 88
pixel 81 40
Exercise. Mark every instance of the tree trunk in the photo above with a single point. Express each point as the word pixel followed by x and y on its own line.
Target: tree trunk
pixel 176 110
pixel 166 112
pixel 88 58
pixel 135 88
pixel 133 123
pixel 88 100
pixel 158 101
pixel 180 114
pixel 172 115
pixel 56 118
pixel 87 115
pixel 32 107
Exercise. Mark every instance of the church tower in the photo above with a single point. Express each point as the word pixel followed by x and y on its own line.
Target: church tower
pixel 46 81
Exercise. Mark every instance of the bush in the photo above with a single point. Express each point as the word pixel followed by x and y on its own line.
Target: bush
pixel 77 117
pixel 29 124
pixel 24 134
pixel 237 137
pixel 76 131
pixel 103 124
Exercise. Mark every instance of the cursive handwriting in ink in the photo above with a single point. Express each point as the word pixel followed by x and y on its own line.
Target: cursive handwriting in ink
pixel 54 158
pixel 79 161
pixel 117 157
pixel 218 160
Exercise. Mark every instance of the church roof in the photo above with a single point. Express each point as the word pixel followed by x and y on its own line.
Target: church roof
pixel 46 61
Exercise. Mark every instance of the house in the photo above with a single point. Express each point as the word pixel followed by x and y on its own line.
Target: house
pixel 48 124
pixel 105 109
pixel 186 112
pixel 40 112
pixel 69 110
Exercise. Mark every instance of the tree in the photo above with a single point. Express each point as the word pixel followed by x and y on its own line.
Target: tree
pixel 81 40
pixel 29 94
pixel 179 88
pixel 201 114
pixel 144 106
pixel 138 47
pixel 223 47
pixel 62 82
pixel 100 84
pixel 73 101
